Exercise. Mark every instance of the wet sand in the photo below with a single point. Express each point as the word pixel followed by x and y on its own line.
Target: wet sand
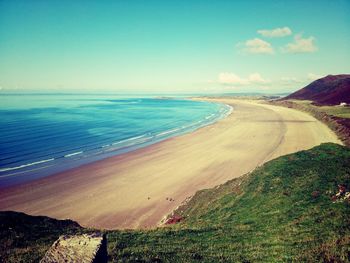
pixel 131 190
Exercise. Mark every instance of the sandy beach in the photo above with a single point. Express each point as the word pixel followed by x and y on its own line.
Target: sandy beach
pixel 133 190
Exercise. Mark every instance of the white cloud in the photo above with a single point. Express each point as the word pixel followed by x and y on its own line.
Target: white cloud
pixel 256 78
pixel 303 80
pixel 231 78
pixel 301 45
pixel 258 46
pixel 228 78
pixel 276 32
pixel 290 80
pixel 313 77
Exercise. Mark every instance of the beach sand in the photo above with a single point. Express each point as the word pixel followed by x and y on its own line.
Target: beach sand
pixel 131 190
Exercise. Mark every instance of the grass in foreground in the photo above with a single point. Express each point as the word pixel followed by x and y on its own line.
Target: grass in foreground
pixel 281 212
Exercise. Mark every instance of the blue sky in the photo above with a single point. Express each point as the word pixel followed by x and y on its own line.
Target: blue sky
pixel 171 46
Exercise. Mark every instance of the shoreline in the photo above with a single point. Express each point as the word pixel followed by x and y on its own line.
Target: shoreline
pixel 137 189
pixel 51 165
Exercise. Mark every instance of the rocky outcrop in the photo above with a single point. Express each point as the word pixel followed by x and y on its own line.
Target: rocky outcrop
pixel 86 248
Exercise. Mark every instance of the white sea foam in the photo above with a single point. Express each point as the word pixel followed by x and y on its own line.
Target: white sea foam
pixel 134 102
pixel 25 171
pixel 167 132
pixel 127 143
pixel 72 154
pixel 134 142
pixel 25 165
pixel 130 139
pixel 230 110
pixel 209 117
pixel 126 102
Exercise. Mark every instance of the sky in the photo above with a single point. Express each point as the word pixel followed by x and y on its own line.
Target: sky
pixel 171 46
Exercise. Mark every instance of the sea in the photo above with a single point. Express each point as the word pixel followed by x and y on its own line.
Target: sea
pixel 43 134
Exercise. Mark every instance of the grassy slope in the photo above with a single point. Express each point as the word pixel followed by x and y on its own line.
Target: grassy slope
pixel 269 215
pixel 338 111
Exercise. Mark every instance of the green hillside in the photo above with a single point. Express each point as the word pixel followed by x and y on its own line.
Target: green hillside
pixel 281 212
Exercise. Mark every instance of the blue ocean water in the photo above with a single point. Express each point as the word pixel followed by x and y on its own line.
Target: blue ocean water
pixel 43 134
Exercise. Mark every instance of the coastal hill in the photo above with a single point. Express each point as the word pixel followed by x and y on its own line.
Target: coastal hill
pixel 328 100
pixel 330 90
pixel 292 209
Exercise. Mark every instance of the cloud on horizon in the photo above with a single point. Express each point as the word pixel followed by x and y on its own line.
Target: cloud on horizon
pixel 276 32
pixel 290 80
pixel 229 78
pixel 257 46
pixel 303 80
pixel 301 45
pixel 230 81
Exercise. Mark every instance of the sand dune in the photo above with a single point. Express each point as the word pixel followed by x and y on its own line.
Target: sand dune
pixel 131 190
